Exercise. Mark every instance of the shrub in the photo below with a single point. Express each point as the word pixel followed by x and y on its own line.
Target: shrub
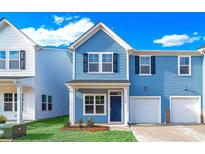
pixel 67 123
pixel 90 122
pixel 80 123
pixel 2 119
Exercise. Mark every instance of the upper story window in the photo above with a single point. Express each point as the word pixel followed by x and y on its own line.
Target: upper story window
pixel 107 62
pixel 184 65
pixel 2 59
pixel 100 62
pixel 145 65
pixel 14 60
pixel 93 61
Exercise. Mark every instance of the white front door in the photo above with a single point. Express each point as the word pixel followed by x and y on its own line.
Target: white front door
pixel 185 109
pixel 145 109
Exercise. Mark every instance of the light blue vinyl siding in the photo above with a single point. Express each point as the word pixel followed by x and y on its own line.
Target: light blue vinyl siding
pixel 101 42
pixel 79 106
pixel 166 82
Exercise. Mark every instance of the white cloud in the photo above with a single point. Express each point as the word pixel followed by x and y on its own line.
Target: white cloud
pixel 176 40
pixel 195 33
pixel 61 36
pixel 58 20
pixel 72 18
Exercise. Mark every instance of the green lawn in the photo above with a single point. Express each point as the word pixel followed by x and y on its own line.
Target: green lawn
pixel 49 131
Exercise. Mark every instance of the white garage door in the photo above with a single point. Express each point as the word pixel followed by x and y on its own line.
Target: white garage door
pixel 185 109
pixel 145 109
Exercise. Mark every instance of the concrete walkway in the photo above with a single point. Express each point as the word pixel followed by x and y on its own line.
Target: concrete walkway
pixel 165 133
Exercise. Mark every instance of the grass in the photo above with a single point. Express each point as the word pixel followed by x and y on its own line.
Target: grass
pixel 49 131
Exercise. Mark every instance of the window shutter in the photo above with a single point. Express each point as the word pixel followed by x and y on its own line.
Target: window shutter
pixel 85 62
pixel 22 59
pixel 153 68
pixel 137 65
pixel 115 62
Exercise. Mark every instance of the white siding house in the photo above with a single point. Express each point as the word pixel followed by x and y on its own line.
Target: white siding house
pixel 30 73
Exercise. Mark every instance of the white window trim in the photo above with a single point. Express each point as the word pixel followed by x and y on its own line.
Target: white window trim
pixel 14 59
pixel 7 60
pixel 179 74
pixel 146 74
pixel 13 101
pixel 93 62
pixel 100 63
pixel 107 62
pixel 94 114
pixel 3 60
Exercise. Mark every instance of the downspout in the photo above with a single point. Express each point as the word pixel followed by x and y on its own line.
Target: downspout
pixel 203 85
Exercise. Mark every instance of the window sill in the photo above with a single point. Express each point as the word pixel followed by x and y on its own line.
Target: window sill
pixel 186 75
pixel 145 74
pixel 94 114
pixel 10 70
pixel 100 73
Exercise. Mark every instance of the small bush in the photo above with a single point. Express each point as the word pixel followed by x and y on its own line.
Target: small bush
pixel 80 123
pixel 2 119
pixel 67 123
pixel 90 122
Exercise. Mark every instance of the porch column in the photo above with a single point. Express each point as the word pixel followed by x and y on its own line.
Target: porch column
pixel 126 105
pixel 19 104
pixel 72 105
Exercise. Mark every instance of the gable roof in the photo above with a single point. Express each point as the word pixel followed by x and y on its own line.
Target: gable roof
pixel 165 52
pixel 4 20
pixel 95 29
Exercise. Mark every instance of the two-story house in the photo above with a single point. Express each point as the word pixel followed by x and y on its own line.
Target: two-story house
pixel 114 83
pixel 31 77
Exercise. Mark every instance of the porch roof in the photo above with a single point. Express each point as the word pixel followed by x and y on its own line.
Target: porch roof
pixel 98 83
pixel 25 81
pixel 14 77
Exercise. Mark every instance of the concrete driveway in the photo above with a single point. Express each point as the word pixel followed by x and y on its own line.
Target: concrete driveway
pixel 172 133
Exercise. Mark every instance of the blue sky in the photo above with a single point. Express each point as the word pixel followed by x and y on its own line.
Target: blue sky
pixel 141 30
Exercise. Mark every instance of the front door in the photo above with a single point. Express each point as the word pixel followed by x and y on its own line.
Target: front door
pixel 115 108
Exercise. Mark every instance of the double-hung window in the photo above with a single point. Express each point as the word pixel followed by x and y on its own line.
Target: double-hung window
pixel 145 65
pixel 50 103
pixel 100 62
pixel 14 60
pixel 8 101
pixel 184 65
pixel 44 102
pixel 2 60
pixel 94 104
pixel 107 62
pixel 93 62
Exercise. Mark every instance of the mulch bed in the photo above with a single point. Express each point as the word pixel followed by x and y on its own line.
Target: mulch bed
pixel 86 128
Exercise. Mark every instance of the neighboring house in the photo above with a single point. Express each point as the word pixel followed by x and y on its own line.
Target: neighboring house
pixel 31 77
pixel 113 83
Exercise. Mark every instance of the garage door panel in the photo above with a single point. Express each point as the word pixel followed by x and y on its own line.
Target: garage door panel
pixel 145 110
pixel 185 110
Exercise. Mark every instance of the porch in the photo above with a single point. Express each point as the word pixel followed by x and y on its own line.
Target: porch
pixel 14 101
pixel 106 101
